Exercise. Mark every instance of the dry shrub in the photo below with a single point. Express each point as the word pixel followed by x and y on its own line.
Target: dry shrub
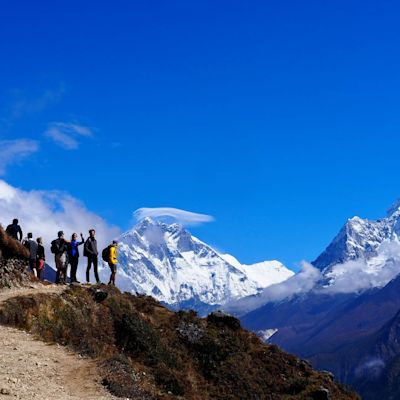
pixel 11 248
pixel 149 352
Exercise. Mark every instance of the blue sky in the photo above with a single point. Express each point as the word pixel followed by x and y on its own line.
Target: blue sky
pixel 279 119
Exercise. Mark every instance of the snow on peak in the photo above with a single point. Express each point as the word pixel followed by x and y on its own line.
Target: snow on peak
pixel 394 208
pixel 167 262
pixel 360 239
pixel 267 273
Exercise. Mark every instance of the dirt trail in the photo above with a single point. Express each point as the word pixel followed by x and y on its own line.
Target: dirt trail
pixel 31 369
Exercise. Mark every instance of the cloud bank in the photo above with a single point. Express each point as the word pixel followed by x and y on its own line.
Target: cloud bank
pixel 67 135
pixel 44 213
pixel 304 281
pixel 183 217
pixel 353 276
pixel 14 151
pixel 359 275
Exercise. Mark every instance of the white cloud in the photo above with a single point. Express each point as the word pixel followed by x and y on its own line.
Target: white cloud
pixel 358 275
pixel 354 276
pixel 304 281
pixel 67 135
pixel 183 217
pixel 14 151
pixel 44 213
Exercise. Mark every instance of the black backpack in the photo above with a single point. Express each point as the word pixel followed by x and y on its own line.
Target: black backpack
pixel 54 247
pixel 105 254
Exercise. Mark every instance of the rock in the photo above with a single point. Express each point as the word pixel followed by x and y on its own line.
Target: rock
pixel 5 391
pixel 223 319
pixel 190 331
pixel 99 295
pixel 321 394
pixel 328 374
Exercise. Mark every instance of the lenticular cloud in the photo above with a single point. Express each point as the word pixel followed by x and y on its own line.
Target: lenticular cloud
pixel 183 217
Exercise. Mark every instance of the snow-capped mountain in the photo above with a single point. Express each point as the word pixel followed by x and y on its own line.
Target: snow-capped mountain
pixel 168 263
pixel 361 238
pixel 342 314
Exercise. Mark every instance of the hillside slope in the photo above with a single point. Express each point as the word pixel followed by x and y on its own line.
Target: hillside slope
pixel 149 352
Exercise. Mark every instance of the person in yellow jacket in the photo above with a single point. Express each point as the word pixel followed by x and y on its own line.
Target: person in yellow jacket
pixel 113 261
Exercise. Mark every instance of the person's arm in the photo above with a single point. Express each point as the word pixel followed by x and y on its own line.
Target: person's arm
pixel 20 233
pixel 83 240
pixel 88 247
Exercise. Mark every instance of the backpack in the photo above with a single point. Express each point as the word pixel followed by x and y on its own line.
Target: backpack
pixel 54 247
pixel 105 254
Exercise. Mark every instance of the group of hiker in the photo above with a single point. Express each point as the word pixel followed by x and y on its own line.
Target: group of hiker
pixel 66 252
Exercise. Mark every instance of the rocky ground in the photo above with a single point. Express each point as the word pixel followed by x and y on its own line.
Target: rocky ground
pixel 31 369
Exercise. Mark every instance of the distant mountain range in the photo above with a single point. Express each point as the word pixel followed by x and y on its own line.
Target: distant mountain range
pixel 347 319
pixel 168 263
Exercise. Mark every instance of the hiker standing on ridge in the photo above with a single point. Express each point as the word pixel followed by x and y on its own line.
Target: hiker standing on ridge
pixel 73 255
pixel 59 247
pixel 91 252
pixel 32 247
pixel 40 258
pixel 14 230
pixel 113 261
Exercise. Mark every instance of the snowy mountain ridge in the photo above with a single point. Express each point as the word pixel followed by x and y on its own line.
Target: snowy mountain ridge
pixel 168 263
pixel 360 239
pixel 364 255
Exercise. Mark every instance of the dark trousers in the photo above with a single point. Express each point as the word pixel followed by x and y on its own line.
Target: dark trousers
pixel 32 265
pixel 73 260
pixel 92 260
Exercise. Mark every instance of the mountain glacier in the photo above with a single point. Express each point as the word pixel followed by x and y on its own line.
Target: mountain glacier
pixel 168 263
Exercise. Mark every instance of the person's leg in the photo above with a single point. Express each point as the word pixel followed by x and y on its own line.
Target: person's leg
pixel 72 261
pixel 89 265
pixel 76 268
pixel 58 267
pixel 32 266
pixel 65 271
pixel 111 272
pixel 95 267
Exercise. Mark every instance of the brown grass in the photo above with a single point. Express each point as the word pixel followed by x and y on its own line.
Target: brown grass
pixel 149 352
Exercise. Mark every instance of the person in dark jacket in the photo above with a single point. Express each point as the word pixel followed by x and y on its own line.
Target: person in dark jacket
pixel 32 246
pixel 14 230
pixel 40 258
pixel 91 253
pixel 73 255
pixel 59 247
